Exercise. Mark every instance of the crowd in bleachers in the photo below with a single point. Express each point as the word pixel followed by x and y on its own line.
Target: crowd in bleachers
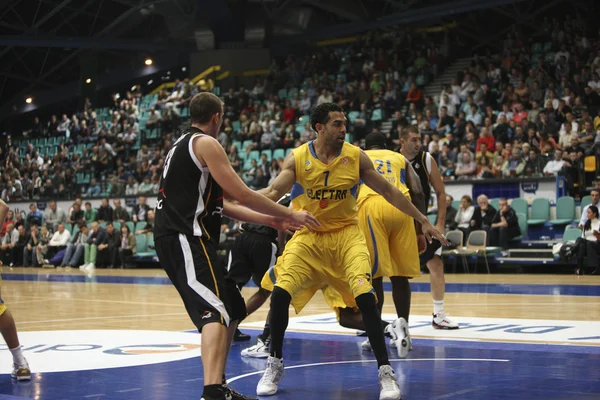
pixel 80 236
pixel 530 110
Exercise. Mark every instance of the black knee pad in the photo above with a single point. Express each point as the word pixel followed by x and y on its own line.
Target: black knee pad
pixel 366 301
pixel 280 298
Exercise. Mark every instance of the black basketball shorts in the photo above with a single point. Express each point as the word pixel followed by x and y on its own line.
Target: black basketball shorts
pixel 190 262
pixel 251 256
pixel 433 249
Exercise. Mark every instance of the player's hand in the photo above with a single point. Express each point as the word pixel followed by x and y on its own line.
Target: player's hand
pixel 304 218
pixel 432 233
pixel 284 225
pixel 422 243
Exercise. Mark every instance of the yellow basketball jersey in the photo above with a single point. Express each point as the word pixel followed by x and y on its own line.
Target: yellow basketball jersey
pixel 327 191
pixel 392 166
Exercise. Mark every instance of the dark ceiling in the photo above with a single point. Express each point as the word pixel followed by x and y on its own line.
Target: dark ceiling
pixel 43 42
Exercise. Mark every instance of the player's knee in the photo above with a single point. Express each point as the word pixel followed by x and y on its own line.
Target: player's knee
pixel 280 299
pixel 366 301
pixel 435 266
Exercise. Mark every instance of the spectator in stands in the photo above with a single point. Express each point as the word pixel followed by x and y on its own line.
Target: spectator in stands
pixel 464 214
pixel 482 151
pixel 595 196
pixel 94 189
pixel 41 246
pixel 7 249
pixel 105 212
pixel 132 187
pixel 90 213
pixel 59 241
pixel 127 246
pixel 22 241
pixel 505 226
pixel 75 247
pixel 451 213
pixel 54 215
pixel 514 165
pixel 29 251
pixel 76 214
pixel 140 210
pixel 485 136
pixel 96 237
pixel 117 188
pixel 107 250
pixel 10 220
pixel 554 167
pixel 147 230
pixel 483 214
pixel 120 214
pixel 34 217
pixel 590 246
pixel 466 169
pixel 533 165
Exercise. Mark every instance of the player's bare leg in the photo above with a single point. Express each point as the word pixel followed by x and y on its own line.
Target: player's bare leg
pixel 8 329
pixel 438 288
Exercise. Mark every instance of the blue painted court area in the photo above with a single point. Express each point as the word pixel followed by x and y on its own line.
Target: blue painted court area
pixel 333 367
pixel 492 288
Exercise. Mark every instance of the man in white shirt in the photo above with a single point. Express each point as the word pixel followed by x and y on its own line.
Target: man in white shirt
pixel 553 167
pixel 595 195
pixel 574 125
pixel 325 97
pixel 59 241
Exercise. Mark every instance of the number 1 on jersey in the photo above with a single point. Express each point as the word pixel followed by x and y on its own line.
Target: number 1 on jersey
pixel 326 173
pixel 379 166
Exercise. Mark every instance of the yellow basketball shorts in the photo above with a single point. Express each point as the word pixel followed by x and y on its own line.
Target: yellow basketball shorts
pixel 312 261
pixel 391 239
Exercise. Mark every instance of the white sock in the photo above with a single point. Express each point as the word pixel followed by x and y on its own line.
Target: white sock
pixel 438 306
pixel 18 358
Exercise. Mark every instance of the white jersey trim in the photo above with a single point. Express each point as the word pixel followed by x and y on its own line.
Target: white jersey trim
pixel 199 288
pixel 192 154
pixel 428 164
pixel 200 205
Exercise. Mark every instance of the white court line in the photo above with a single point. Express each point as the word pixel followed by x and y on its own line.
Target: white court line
pixel 235 378
pixel 100 318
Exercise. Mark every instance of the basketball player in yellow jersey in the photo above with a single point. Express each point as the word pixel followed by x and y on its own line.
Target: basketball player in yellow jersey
pixel 324 175
pixel 8 328
pixel 392 241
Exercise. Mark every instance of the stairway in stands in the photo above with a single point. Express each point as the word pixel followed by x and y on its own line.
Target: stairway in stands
pixel 433 89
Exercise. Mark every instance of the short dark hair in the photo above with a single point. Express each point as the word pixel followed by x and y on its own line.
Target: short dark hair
pixel 595 190
pixel 321 114
pixel 375 139
pixel 407 130
pixel 203 106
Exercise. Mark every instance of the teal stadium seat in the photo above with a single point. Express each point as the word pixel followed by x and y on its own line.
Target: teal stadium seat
pixel 565 211
pixel 585 201
pixel 278 153
pixel 540 212
pixel 495 203
pixel 571 234
pixel 520 206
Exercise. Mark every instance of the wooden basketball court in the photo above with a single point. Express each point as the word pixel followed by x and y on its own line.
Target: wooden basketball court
pixel 546 326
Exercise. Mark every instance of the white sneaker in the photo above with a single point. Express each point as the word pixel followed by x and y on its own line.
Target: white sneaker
pixel 366 345
pixel 267 385
pixel 259 350
pixel 441 321
pixel 82 267
pixel 21 373
pixel 389 387
pixel 90 267
pixel 401 339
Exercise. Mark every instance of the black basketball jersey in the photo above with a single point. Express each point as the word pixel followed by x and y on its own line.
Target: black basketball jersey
pixel 264 229
pixel 189 200
pixel 420 165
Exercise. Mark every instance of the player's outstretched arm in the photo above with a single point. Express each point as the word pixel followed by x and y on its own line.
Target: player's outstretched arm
pixel 417 197
pixel 209 151
pixel 395 197
pixel 245 214
pixel 440 191
pixel 284 181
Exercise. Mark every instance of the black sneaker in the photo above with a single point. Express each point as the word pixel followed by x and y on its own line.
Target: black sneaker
pixel 232 394
pixel 240 337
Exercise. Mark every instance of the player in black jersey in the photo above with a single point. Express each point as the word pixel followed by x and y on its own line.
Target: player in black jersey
pixel 429 174
pixel 195 178
pixel 252 254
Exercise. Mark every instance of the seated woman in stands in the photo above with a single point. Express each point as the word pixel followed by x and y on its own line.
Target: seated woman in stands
pixel 590 246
